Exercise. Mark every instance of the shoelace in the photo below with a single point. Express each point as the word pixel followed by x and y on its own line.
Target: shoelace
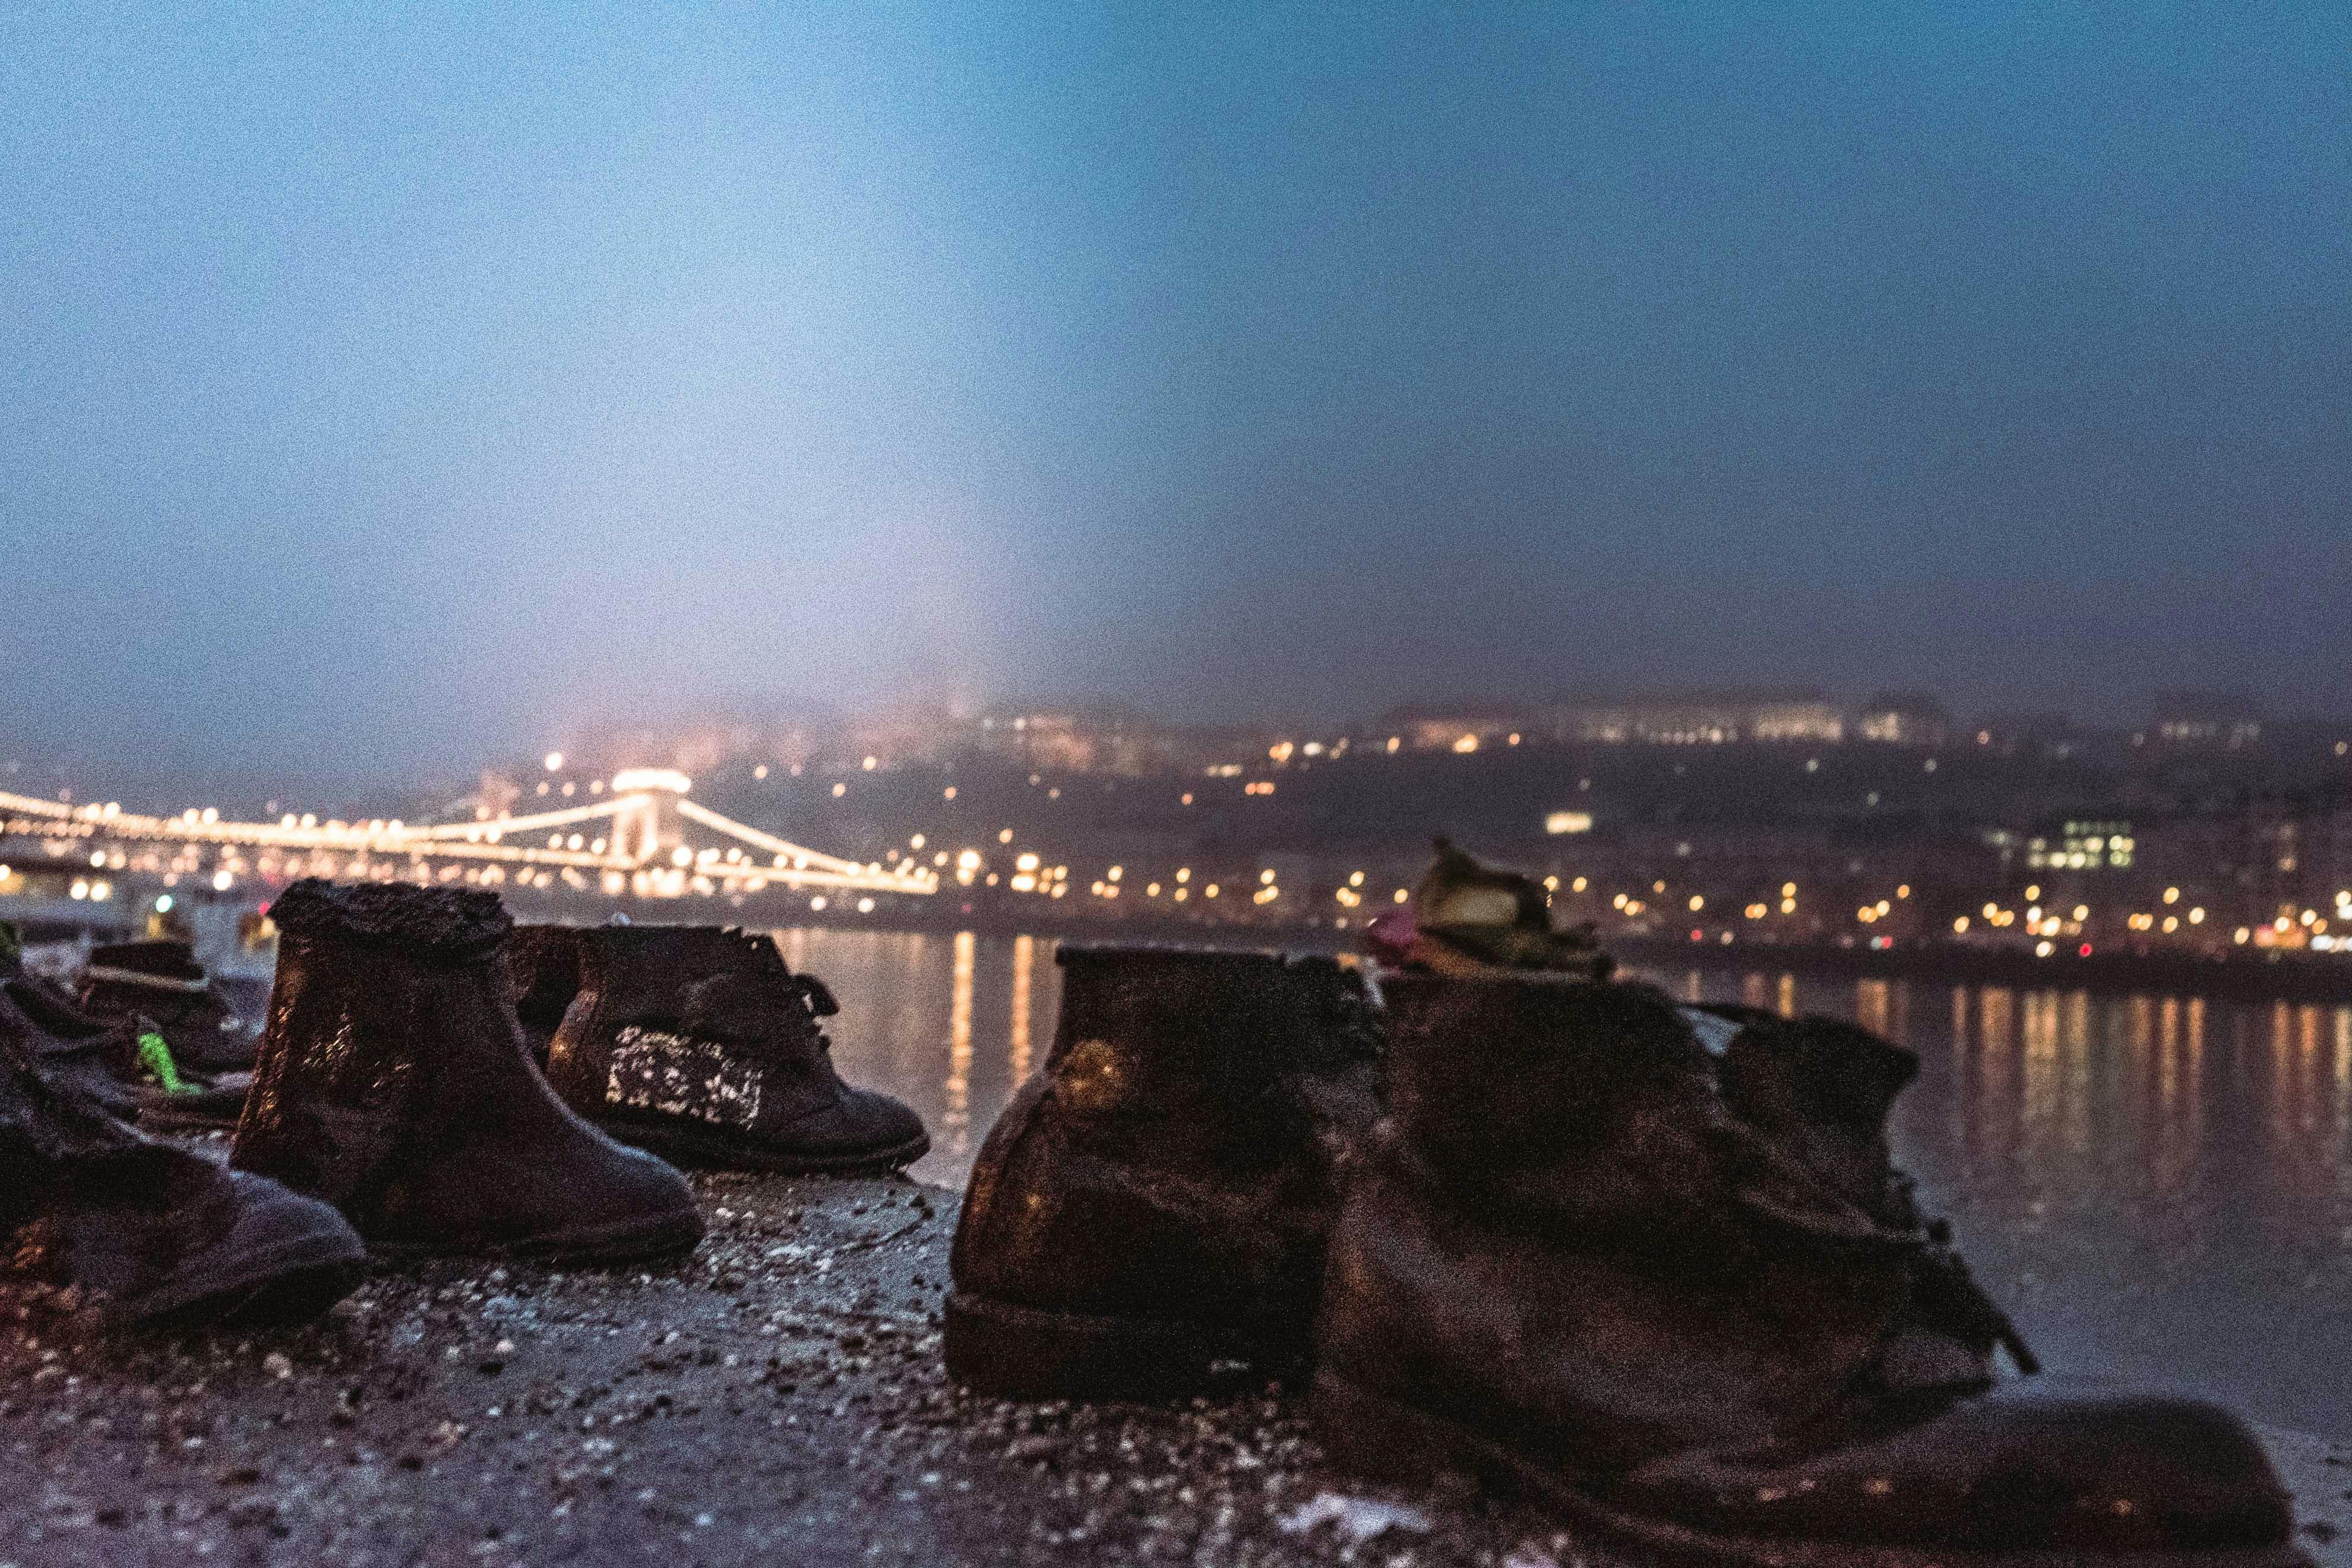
pixel 817 997
pixel 155 1058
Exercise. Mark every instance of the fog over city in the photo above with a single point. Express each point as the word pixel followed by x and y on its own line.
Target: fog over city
pixel 387 392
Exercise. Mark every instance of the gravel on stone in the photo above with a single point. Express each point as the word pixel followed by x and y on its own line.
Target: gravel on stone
pixel 775 1397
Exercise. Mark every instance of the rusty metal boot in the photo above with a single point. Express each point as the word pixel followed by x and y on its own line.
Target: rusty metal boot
pixel 394 1083
pixel 1678 1291
pixel 698 1042
pixel 1155 1202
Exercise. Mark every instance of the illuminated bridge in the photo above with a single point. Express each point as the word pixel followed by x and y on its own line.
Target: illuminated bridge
pixel 645 837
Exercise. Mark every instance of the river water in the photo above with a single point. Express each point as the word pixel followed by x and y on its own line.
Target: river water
pixel 2159 1188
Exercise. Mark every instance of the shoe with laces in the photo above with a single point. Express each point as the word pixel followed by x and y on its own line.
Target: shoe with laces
pixel 1670 1283
pixel 698 1042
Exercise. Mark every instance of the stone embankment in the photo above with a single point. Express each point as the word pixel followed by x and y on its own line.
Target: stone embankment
pixel 776 1397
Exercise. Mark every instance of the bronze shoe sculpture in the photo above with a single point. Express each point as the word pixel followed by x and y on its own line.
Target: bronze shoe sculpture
pixel 698 1042
pixel 160 981
pixel 1155 1202
pixel 394 1083
pixel 1683 1296
pixel 161 1234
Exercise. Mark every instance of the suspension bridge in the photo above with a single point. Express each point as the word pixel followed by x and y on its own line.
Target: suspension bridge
pixel 645 837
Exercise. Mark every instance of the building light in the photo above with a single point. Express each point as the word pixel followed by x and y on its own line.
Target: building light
pixel 948 793
pixel 1560 822
pixel 1466 744
pixel 1697 902
pixel 1577 886
pixel 1402 895
pixel 839 790
pixel 555 762
pixel 1005 836
pixel 1959 923
pixel 2196 917
pixel 2172 895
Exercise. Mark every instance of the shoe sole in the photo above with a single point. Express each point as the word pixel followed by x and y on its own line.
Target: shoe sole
pixel 291 1283
pixel 623 1241
pixel 698 1149
pixel 1384 1439
pixel 1009 1352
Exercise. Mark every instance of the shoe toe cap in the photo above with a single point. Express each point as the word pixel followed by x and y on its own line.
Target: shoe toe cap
pixel 858 1123
pixel 2023 1471
pixel 284 1256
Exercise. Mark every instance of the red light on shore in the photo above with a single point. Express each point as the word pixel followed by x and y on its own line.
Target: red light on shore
pixel 2084 951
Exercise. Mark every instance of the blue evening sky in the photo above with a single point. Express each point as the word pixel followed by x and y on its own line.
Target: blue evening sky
pixel 389 386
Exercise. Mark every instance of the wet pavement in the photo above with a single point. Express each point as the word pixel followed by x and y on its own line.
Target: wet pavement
pixel 775 1397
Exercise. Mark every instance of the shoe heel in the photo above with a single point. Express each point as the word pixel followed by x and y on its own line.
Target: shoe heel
pixel 1025 1352
pixel 1383 1439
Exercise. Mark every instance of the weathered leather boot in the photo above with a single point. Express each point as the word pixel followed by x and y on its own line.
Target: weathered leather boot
pixel 163 1234
pixel 1684 1296
pixel 1156 1200
pixel 394 1083
pixel 698 1042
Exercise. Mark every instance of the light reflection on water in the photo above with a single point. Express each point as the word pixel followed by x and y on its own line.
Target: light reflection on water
pixel 2158 1188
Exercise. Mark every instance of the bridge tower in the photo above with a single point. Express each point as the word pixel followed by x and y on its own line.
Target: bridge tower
pixel 645 827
